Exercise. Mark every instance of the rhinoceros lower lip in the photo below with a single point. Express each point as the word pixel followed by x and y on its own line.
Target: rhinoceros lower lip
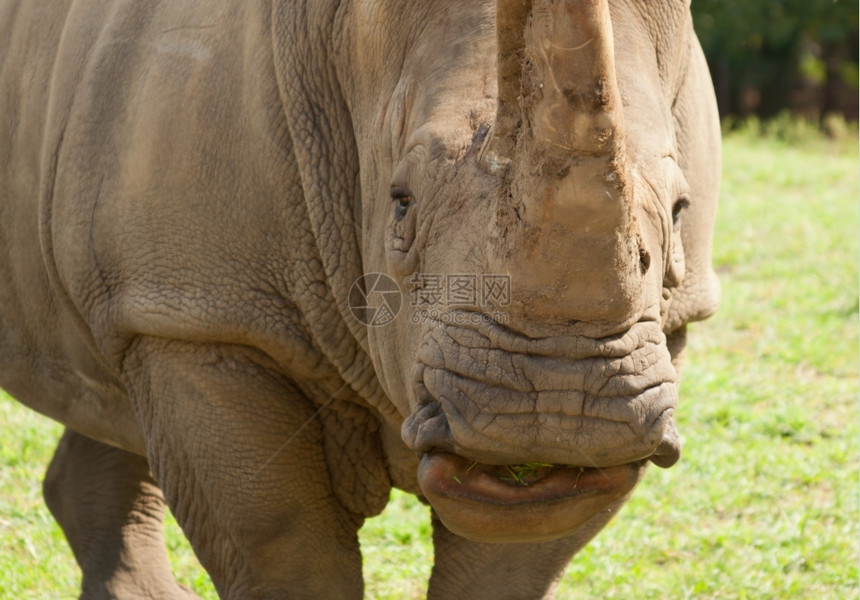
pixel 491 503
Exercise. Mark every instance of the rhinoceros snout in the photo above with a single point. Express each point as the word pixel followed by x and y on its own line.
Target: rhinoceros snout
pixel 504 399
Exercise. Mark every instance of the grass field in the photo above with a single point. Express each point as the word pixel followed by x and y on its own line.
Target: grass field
pixel 764 503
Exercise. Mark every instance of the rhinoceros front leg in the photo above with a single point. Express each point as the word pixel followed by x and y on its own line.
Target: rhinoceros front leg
pixel 238 453
pixel 111 510
pixel 521 571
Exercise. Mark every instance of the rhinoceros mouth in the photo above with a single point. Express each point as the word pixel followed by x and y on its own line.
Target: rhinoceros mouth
pixel 521 503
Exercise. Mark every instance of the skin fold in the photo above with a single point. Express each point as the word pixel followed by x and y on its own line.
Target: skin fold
pixel 191 196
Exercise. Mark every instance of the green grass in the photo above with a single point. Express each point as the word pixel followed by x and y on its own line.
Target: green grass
pixel 764 503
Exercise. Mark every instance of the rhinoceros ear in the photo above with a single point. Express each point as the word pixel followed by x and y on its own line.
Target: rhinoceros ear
pixel 698 133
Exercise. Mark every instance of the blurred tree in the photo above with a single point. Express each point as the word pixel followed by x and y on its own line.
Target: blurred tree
pixel 771 55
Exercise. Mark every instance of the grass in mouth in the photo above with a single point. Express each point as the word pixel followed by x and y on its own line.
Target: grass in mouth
pixel 523 474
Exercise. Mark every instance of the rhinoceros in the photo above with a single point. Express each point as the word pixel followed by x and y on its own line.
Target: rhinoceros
pixel 267 260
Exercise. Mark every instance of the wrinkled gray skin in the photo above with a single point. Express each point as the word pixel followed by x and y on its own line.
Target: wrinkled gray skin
pixel 188 190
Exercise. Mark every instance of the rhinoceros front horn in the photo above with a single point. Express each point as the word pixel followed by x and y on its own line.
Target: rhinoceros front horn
pixel 558 144
pixel 556 75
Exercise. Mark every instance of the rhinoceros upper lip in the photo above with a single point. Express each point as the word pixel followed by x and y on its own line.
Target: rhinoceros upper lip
pixel 427 430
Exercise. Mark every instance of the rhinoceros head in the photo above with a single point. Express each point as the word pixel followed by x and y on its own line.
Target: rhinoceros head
pixel 539 179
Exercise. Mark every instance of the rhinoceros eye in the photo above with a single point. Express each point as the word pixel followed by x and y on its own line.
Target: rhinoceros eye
pixel 401 205
pixel 402 201
pixel 680 204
